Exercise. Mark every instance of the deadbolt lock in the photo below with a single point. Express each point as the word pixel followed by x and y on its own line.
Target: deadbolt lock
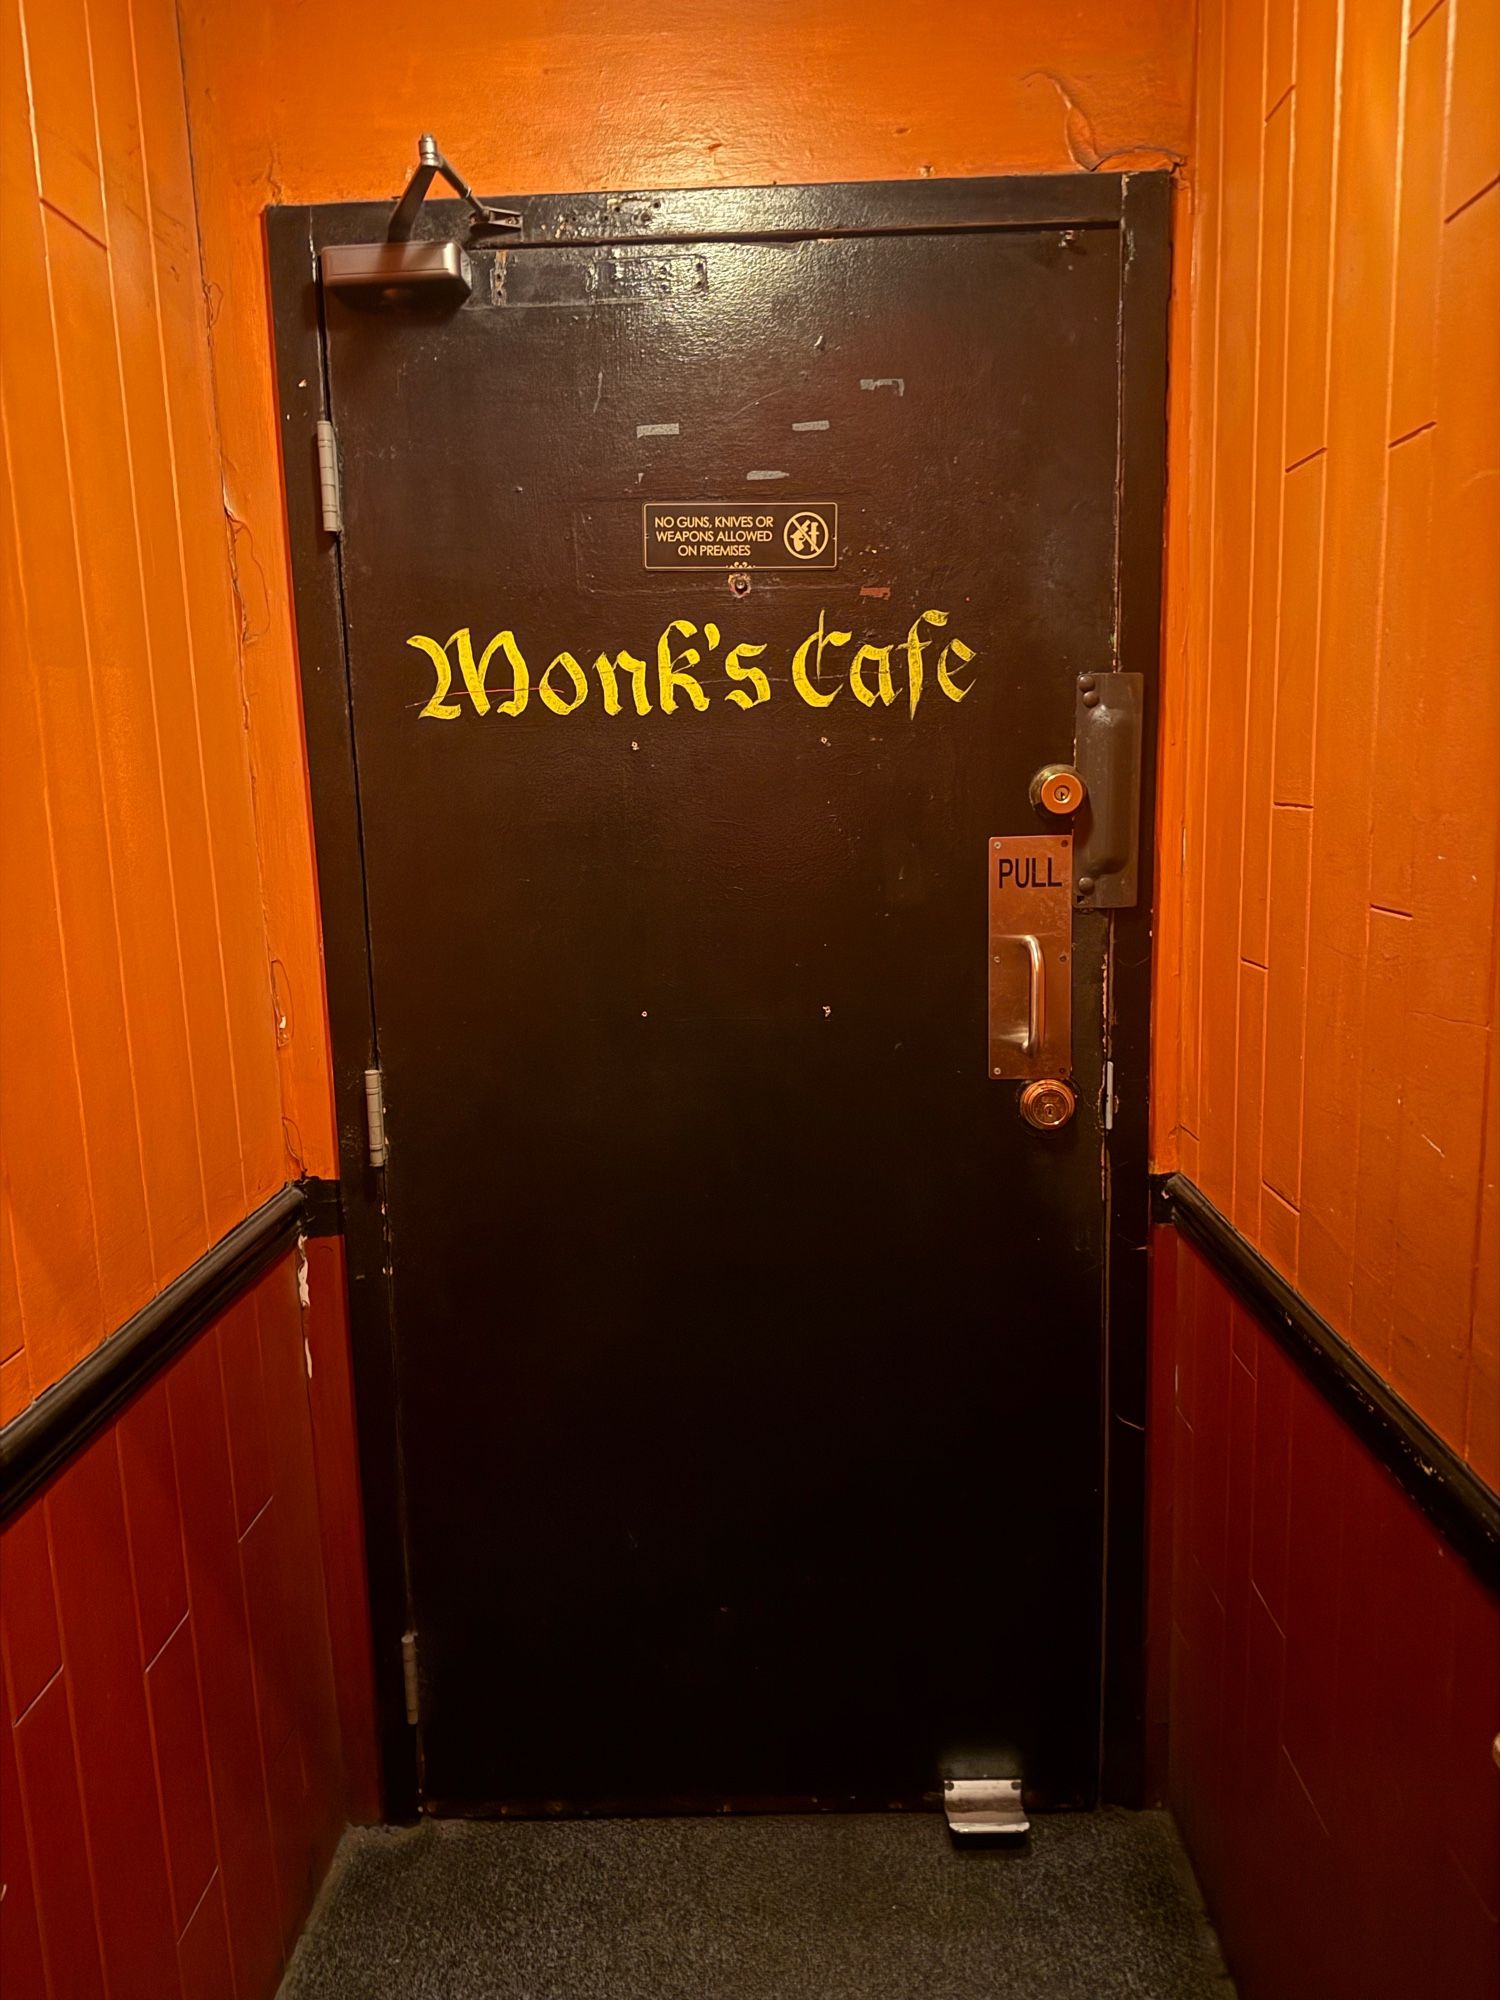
pixel 1047 1103
pixel 1058 788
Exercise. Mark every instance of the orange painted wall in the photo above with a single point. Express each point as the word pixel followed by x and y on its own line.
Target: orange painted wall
pixel 139 1104
pixel 1332 750
pixel 1334 739
pixel 323 102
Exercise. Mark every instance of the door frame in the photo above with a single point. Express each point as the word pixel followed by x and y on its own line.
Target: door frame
pixel 1138 204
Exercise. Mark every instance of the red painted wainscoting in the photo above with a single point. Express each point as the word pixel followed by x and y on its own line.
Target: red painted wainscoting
pixel 1326 1677
pixel 186 1664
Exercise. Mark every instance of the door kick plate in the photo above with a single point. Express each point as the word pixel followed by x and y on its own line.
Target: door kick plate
pixel 1031 954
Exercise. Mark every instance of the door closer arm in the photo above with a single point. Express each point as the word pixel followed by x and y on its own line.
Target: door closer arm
pixel 431 165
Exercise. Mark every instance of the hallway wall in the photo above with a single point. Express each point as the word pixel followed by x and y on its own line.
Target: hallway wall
pixel 1326 1671
pixel 139 1109
pixel 547 97
pixel 186 1668
pixel 1334 745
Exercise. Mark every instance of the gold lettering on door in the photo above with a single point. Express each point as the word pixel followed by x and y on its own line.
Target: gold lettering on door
pixel 817 672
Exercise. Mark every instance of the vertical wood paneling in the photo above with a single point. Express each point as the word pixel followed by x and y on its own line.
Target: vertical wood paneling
pixel 1315 127
pixel 1331 1616
pixel 102 1665
pixel 207 1971
pixel 30 1643
pixel 21 1968
pixel 1358 401
pixel 1347 804
pixel 1266 543
pixel 172 1779
pixel 227 1676
pixel 57 1846
pixel 219 698
pixel 1419 236
pixel 48 1211
pixel 120 694
pixel 182 1773
pixel 51 654
pixel 1193 575
pixel 58 63
pixel 1474 124
pixel 1228 661
pixel 140 1115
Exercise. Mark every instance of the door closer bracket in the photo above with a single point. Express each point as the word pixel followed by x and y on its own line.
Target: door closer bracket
pixel 431 165
pixel 400 270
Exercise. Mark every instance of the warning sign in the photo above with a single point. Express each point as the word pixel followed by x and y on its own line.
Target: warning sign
pixel 713 534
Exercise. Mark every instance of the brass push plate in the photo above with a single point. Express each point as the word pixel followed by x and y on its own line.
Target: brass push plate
pixel 1031 955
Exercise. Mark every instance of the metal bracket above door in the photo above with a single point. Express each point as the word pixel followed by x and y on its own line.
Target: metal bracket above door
pixel 398 270
pixel 432 165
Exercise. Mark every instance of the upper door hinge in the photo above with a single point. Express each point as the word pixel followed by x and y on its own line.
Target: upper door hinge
pixel 330 485
pixel 375 1116
pixel 409 1677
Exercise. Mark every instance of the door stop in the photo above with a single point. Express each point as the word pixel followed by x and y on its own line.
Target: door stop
pixel 984 1807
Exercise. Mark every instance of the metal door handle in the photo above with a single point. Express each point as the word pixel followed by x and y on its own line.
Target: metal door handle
pixel 1030 919
pixel 1036 992
pixel 1036 1001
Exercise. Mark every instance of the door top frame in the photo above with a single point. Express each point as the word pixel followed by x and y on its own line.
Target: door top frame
pixel 752 214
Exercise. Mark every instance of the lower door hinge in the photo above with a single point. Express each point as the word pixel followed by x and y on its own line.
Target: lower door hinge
pixel 409 1677
pixel 375 1117
pixel 330 485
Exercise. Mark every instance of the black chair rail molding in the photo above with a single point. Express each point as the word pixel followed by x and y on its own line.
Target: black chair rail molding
pixel 1451 1495
pixel 37 1444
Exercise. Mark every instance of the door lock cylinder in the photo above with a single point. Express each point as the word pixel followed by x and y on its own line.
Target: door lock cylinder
pixel 1058 789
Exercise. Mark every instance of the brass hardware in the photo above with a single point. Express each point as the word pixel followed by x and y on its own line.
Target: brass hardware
pixel 1048 1103
pixel 1031 949
pixel 1058 788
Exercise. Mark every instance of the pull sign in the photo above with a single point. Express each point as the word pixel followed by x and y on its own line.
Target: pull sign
pixel 1031 955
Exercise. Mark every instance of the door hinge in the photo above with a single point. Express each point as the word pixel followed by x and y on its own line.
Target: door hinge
pixel 1109 1096
pixel 330 486
pixel 375 1116
pixel 409 1677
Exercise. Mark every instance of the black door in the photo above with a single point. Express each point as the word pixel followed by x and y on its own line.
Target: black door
pixel 710 602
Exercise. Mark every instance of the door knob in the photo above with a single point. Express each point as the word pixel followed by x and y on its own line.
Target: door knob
pixel 1058 788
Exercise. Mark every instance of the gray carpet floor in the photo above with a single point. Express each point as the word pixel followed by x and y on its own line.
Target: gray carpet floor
pixel 833 1908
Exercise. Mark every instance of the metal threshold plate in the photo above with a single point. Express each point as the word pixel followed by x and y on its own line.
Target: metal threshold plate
pixel 986 1806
